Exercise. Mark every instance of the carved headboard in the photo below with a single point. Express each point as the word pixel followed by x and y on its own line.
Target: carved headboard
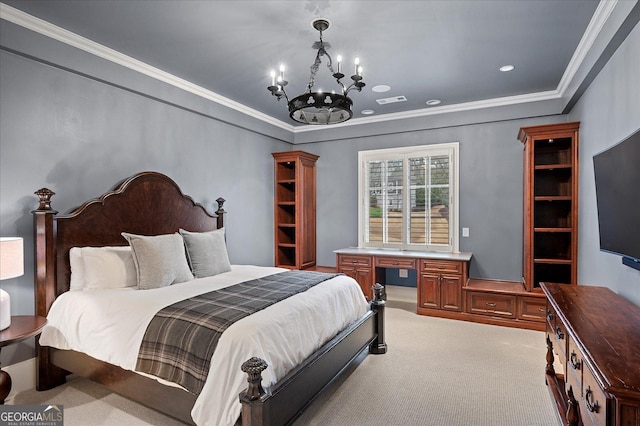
pixel 148 203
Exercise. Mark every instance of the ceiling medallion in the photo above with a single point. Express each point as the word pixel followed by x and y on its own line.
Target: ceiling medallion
pixel 318 107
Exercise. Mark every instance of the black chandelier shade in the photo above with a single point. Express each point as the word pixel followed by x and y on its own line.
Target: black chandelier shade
pixel 318 107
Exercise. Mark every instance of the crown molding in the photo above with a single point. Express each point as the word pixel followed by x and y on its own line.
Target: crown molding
pixel 445 109
pixel 47 29
pixel 600 17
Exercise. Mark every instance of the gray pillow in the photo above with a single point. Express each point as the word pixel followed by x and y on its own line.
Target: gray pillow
pixel 206 252
pixel 160 260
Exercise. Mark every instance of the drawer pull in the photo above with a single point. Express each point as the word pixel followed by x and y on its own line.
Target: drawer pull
pixel 442 267
pixel 591 405
pixel 559 333
pixel 540 309
pixel 573 360
pixel 493 305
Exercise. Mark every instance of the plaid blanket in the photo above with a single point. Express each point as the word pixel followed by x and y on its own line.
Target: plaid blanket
pixel 181 338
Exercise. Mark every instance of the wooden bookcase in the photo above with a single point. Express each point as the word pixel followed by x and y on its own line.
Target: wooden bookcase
pixel 295 209
pixel 550 251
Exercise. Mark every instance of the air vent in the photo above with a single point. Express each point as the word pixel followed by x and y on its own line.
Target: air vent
pixel 391 100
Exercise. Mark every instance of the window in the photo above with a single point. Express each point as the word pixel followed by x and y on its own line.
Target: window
pixel 408 198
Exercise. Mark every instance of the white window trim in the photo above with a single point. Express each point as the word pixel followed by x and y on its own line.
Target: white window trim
pixel 454 170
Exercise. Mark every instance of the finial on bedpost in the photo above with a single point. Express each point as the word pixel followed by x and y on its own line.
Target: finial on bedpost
pixel 45 194
pixel 378 346
pixel 220 212
pixel 254 368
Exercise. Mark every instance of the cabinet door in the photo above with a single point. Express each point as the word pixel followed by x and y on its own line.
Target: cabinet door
pixel 451 292
pixel 364 277
pixel 429 291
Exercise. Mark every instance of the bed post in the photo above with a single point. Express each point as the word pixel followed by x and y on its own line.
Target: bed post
pixel 253 408
pixel 44 230
pixel 220 212
pixel 378 346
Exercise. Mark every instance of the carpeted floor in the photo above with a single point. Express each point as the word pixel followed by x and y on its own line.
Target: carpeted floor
pixel 436 372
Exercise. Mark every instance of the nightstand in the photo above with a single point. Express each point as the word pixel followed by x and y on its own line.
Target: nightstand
pixel 22 327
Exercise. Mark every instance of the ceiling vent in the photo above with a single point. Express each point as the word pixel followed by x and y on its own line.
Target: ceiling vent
pixel 391 100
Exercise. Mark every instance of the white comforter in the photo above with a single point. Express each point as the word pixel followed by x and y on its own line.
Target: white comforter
pixel 109 325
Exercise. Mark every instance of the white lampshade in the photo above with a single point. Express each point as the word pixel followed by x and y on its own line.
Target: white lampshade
pixel 11 266
pixel 11 257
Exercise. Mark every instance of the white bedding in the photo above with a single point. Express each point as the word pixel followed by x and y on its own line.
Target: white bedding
pixel 109 325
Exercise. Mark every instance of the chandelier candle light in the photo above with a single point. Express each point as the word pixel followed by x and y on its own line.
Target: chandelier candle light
pixel 318 107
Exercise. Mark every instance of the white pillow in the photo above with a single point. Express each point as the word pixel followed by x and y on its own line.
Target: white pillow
pixel 101 267
pixel 109 267
pixel 77 280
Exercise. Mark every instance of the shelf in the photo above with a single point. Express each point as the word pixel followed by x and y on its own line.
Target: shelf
pixel 286 225
pixel 286 203
pixel 552 230
pixel 552 166
pixel 286 181
pixel 286 245
pixel 551 261
pixel 553 198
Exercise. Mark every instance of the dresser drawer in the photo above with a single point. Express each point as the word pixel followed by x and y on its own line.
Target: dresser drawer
pixel 532 308
pixel 395 262
pixel 449 267
pixel 559 337
pixel 500 305
pixel 593 404
pixel 354 260
pixel 574 366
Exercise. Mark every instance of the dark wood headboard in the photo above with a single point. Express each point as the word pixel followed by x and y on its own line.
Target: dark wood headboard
pixel 148 203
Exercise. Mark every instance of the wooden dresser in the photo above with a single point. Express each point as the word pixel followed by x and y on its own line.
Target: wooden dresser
pixel 593 355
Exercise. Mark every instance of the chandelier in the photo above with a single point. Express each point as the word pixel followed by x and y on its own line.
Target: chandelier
pixel 318 107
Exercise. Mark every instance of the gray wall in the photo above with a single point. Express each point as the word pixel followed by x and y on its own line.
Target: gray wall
pixel 79 136
pixel 609 111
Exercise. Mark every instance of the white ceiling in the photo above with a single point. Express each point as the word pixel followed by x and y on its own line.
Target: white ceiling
pixel 447 50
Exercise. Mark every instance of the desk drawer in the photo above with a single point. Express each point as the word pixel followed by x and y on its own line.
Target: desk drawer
pixel 450 267
pixel 499 305
pixel 345 260
pixel 532 308
pixel 395 262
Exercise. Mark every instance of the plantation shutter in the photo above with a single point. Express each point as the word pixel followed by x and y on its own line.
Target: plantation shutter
pixel 407 199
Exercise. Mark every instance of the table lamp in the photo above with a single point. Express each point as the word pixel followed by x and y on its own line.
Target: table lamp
pixel 11 266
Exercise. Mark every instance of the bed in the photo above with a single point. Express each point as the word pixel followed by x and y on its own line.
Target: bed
pixel 152 204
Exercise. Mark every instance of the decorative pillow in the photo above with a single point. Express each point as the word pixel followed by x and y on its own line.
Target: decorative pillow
pixel 159 260
pixel 77 280
pixel 206 252
pixel 108 267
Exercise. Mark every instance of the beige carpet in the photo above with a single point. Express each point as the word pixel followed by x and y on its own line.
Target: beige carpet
pixel 436 372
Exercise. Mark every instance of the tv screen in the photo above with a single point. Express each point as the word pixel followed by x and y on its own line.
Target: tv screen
pixel 617 176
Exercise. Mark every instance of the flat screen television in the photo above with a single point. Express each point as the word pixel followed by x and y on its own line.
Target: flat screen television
pixel 617 176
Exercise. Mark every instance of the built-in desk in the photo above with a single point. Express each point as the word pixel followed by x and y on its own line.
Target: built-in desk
pixel 444 287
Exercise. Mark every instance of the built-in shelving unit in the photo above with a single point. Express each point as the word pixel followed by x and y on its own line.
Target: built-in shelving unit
pixel 550 204
pixel 295 209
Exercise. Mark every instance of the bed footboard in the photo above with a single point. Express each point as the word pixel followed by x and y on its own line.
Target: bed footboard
pixel 286 400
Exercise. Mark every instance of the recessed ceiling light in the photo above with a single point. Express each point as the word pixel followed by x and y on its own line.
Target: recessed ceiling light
pixel 367 111
pixel 380 88
pixel 507 68
pixel 432 102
